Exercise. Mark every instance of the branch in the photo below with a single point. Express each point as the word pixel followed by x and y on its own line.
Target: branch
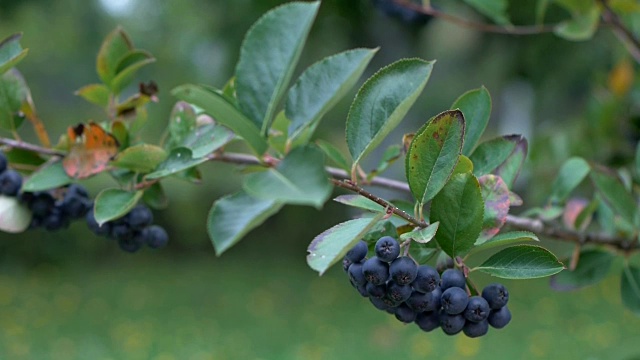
pixel 17 144
pixel 621 31
pixel 484 27
pixel 534 225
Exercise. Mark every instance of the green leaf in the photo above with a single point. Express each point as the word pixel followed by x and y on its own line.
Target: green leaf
pixel 279 133
pixel 111 204
pixel 612 191
pixel 299 178
pixel 508 238
pixel 638 159
pixel 422 236
pixel 423 252
pixel 49 177
pixel 459 209
pixel 141 158
pixel 582 26
pixel 15 216
pixel 14 92
pixel 327 248
pixel 495 194
pixel 510 168
pixel 233 216
pixel 114 47
pixel 95 93
pixel 23 157
pixel 182 121
pixel 11 52
pixel 179 159
pixel 464 165
pixel 127 67
pixel 592 267
pixel 630 288
pixel 490 154
pixel 382 102
pixel 571 174
pixel 476 107
pixel 359 202
pixel 155 197
pixel 433 154
pixel 322 85
pixel 496 10
pixel 521 262
pixel 390 155
pixel 334 154
pixel 224 113
pixel 206 139
pixel 268 57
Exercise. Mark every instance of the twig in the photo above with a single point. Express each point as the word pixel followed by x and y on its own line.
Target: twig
pixel 17 144
pixel 621 31
pixel 490 28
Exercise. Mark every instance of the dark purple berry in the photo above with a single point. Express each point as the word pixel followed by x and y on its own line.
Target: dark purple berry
pixel 121 231
pixel 418 301
pixel 139 217
pixel 477 309
pixel 3 162
pixel 387 249
pixel 129 244
pixel 397 292
pixel 346 263
pixel 403 270
pixel 427 321
pixel 476 329
pixel 10 182
pixel 454 300
pixel 362 289
pixel 452 278
pixel 376 291
pixel 451 324
pixel 103 230
pixel 358 252
pixel 355 275
pixel 499 318
pixel 496 295
pixel 55 220
pixel 427 279
pixel 405 314
pixel 41 203
pixel 375 271
pixel 155 236
pixel 379 303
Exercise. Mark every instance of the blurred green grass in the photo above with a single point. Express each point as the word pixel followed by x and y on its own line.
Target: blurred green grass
pixel 150 306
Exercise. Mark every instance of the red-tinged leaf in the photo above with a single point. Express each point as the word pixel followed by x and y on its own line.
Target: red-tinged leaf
pixel 91 148
pixel 496 205
pixel 572 210
pixel 510 168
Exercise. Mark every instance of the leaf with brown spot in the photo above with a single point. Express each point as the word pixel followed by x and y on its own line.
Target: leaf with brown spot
pixel 90 150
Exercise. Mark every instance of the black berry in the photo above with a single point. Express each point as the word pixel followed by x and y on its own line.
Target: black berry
pixel 375 271
pixel 496 295
pixel 387 249
pixel 452 278
pixel 454 300
pixel 141 216
pixel 419 301
pixel 3 162
pixel 451 324
pixel 427 321
pixel 403 270
pixel 397 292
pixel 427 279
pixel 103 230
pixel 358 252
pixel 355 274
pixel 476 329
pixel 405 314
pixel 499 318
pixel 346 263
pixel 129 244
pixel 477 309
pixel 376 291
pixel 155 236
pixel 10 182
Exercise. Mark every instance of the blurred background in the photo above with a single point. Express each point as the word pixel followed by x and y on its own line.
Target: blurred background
pixel 71 295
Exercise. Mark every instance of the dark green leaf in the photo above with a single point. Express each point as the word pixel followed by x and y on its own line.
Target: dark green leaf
pixel 382 102
pixel 433 154
pixel 611 189
pixel 127 67
pixel 155 197
pixel 233 216
pixel 334 154
pixel 114 47
pixel 360 202
pixel 49 177
pixel 630 288
pixel 224 113
pixel 141 158
pixel 279 133
pixel 390 155
pixel 510 168
pixel 476 107
pixel 179 159
pixel 464 165
pixel 15 216
pixel 95 93
pixel 299 178
pixel 494 9
pixel 206 139
pixel 268 57
pixel 459 209
pixel 13 94
pixel 182 122
pixel 571 174
pixel 490 154
pixel 423 252
pixel 422 236
pixel 521 262
pixel 23 157
pixel 508 238
pixel 592 267
pixel 495 194
pixel 114 203
pixel 327 248
pixel 11 52
pixel 322 85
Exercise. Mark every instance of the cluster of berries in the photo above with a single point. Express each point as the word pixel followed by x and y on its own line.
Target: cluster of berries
pixel 132 231
pixel 397 285
pixel 402 12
